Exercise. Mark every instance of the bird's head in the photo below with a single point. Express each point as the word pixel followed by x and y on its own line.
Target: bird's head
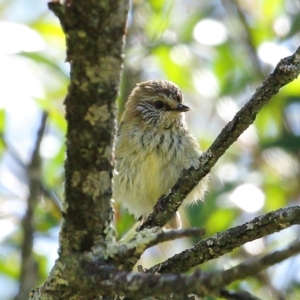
pixel 155 103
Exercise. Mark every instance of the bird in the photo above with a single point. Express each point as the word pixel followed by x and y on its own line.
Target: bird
pixel 153 145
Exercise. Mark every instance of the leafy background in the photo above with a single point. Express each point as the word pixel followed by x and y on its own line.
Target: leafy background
pixel 218 52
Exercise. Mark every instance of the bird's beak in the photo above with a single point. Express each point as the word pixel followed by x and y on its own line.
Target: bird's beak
pixel 182 108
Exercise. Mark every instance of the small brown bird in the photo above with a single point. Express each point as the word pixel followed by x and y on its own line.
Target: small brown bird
pixel 153 146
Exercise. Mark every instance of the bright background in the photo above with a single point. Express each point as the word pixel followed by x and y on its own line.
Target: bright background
pixel 218 52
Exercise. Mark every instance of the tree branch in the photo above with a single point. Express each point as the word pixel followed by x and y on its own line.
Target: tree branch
pixel 111 281
pixel 286 71
pixel 51 194
pixel 234 7
pixel 29 268
pixel 95 37
pixel 254 265
pixel 237 295
pixel 226 241
pixel 128 253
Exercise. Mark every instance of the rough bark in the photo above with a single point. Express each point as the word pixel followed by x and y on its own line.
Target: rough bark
pixel 94 35
pixel 94 38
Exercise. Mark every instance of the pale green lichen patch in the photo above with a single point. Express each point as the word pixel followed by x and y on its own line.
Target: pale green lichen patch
pixel 75 178
pixel 107 152
pixel 104 179
pixel 91 185
pixel 81 34
pixel 110 238
pixel 93 73
pixel 104 71
pixel 97 114
pixel 249 226
pixel 139 242
pixel 144 238
pixel 95 182
pixel 84 86
pixel 108 65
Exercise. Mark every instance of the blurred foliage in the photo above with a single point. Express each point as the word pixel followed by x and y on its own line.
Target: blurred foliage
pixel 218 52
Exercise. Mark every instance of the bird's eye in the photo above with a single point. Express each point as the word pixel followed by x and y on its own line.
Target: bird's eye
pixel 159 104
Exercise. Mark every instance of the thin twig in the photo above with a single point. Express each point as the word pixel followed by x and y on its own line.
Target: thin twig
pixel 29 268
pixel 246 37
pixel 237 295
pixel 147 238
pixel 255 265
pixel 171 235
pixel 50 193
